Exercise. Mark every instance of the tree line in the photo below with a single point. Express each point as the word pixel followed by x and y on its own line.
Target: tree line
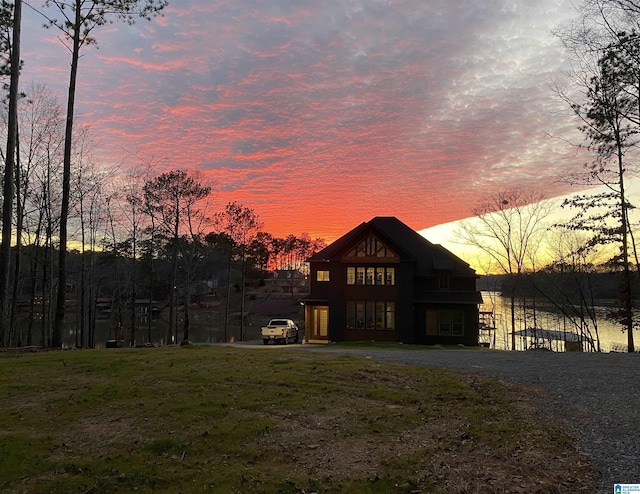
pixel 139 240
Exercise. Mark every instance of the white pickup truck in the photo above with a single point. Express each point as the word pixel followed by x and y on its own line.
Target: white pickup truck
pixel 280 330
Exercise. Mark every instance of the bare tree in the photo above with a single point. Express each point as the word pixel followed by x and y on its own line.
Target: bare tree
pixel 508 229
pixel 605 46
pixel 38 116
pixel 90 197
pixel 76 21
pixel 133 220
pixel 567 282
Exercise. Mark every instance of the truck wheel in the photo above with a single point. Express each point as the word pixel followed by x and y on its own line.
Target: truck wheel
pixel 265 341
pixel 285 340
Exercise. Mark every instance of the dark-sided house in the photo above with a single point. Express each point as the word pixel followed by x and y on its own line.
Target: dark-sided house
pixel 383 281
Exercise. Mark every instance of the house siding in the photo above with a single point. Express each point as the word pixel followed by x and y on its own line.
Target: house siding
pixel 470 316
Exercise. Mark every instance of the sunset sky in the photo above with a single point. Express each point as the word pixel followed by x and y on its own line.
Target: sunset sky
pixel 320 115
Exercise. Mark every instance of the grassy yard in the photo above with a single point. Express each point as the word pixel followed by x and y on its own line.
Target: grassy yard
pixel 269 420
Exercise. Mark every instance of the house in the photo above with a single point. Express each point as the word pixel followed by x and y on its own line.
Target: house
pixel 286 281
pixel 383 281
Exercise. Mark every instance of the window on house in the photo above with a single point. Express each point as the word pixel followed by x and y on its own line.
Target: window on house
pixel 444 281
pixel 370 314
pixel 360 315
pixel 370 272
pixel 380 314
pixel 361 275
pixel 351 316
pixel 390 319
pixel 351 276
pixel 390 276
pixel 457 323
pixel 371 247
pixel 450 323
pixel 379 276
pixel 323 276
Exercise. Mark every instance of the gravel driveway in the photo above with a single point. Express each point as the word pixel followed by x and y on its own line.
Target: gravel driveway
pixel 596 394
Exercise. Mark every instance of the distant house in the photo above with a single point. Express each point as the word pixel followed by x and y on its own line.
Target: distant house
pixel 142 307
pixel 286 281
pixel 383 281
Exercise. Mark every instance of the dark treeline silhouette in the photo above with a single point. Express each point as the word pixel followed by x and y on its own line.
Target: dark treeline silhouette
pixel 111 286
pixel 604 285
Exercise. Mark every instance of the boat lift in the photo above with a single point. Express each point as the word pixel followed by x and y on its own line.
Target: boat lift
pixel 487 329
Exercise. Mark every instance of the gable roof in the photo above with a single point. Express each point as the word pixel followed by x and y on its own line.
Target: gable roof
pixel 409 244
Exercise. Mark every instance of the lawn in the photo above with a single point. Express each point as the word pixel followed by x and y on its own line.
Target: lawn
pixel 237 420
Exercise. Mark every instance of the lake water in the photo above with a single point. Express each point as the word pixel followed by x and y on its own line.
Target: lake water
pixel 612 338
pixel 208 327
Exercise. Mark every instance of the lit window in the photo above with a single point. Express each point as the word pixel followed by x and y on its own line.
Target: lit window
pixel 323 276
pixel 391 276
pixel 362 275
pixel 371 247
pixel 391 315
pixel 351 276
pixel 379 276
pixel 370 272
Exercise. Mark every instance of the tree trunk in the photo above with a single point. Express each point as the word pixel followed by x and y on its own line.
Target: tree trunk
pixel 242 295
pixel 627 295
pixel 228 301
pixel 13 326
pixel 56 337
pixel 185 335
pixel 83 282
pixel 150 306
pixel 172 296
pixel 134 283
pixel 7 210
pixel 513 318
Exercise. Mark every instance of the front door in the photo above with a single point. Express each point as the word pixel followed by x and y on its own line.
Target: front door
pixel 320 323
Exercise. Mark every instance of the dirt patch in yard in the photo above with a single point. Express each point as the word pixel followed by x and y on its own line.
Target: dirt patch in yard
pixel 444 457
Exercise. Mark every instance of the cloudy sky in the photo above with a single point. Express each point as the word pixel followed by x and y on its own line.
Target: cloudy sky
pixel 322 114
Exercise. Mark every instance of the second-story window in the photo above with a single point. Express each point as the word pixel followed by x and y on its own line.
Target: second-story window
pixel 370 272
pixel 361 275
pixel 390 278
pixel 323 276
